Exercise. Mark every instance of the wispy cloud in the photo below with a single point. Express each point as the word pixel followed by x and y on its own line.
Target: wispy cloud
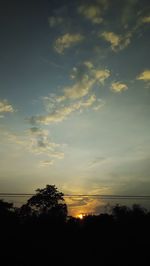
pixel 66 41
pixel 40 142
pixel 118 86
pixel 55 21
pixel 145 19
pixel 94 10
pixel 128 12
pixel 84 205
pixel 35 140
pixel 91 12
pixel 6 107
pixel 86 79
pixel 99 105
pixel 79 89
pixel 62 112
pixel 76 97
pixel 118 42
pixel 145 75
pixel 46 163
pixel 101 74
pixel 96 161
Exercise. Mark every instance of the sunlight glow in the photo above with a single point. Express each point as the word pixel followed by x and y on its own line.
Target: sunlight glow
pixel 80 216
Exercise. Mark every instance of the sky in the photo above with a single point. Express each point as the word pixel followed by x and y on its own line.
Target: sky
pixel 75 97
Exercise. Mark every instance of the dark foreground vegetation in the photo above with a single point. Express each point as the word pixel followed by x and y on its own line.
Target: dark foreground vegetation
pixel 41 233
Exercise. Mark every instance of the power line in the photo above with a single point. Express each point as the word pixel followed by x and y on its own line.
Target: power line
pixel 102 196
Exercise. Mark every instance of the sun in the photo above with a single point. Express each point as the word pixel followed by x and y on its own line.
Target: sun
pixel 80 216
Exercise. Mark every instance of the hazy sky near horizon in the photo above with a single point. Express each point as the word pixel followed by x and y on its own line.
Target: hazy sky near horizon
pixel 75 96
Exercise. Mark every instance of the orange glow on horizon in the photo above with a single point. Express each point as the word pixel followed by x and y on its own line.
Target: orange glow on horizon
pixel 80 216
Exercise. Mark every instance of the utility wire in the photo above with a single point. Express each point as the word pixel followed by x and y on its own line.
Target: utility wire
pixel 147 197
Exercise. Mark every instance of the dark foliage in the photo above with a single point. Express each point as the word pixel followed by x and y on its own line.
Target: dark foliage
pixel 40 233
pixel 46 203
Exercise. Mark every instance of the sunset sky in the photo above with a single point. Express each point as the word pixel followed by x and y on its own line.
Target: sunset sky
pixel 75 96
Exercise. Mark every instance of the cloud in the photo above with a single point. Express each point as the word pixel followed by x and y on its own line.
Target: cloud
pixel 39 142
pixel 118 86
pixel 128 14
pixel 84 205
pixel 89 64
pixel 83 70
pixel 13 138
pixel 87 78
pixel 46 163
pixel 111 37
pixel 89 102
pixel 57 116
pixel 66 41
pixel 97 161
pixel 99 105
pixel 79 89
pixel 57 155
pixel 91 12
pixel 36 131
pixel 101 75
pixel 75 97
pixel 117 42
pixel 146 19
pixel 36 141
pixel 62 112
pixel 77 201
pixel 6 107
pixel 145 75
pixel 54 21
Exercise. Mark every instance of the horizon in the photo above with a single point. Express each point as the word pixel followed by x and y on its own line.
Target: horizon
pixel 104 203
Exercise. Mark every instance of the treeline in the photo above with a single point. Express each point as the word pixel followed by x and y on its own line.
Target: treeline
pixel 41 233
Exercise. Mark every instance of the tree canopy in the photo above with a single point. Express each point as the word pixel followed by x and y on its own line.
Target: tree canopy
pixel 48 201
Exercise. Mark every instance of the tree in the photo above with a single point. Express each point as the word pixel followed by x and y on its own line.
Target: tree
pixel 5 207
pixel 7 211
pixel 48 201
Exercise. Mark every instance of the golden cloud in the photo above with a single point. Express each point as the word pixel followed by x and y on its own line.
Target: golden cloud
pixel 117 42
pixel 89 64
pixel 57 116
pixel 101 75
pixel 75 97
pixel 84 205
pixel 89 102
pixel 6 107
pixel 46 163
pixel 79 89
pixel 62 113
pixel 91 12
pixel 118 87
pixel 66 41
pixel 111 37
pixel 146 19
pixel 145 75
pixel 83 87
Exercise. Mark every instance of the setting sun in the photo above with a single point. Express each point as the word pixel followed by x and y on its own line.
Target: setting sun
pixel 80 216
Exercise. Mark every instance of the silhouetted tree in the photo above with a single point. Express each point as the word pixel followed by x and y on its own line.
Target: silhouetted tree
pixel 120 212
pixel 25 211
pixel 5 208
pixel 34 233
pixel 47 201
pixel 7 214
